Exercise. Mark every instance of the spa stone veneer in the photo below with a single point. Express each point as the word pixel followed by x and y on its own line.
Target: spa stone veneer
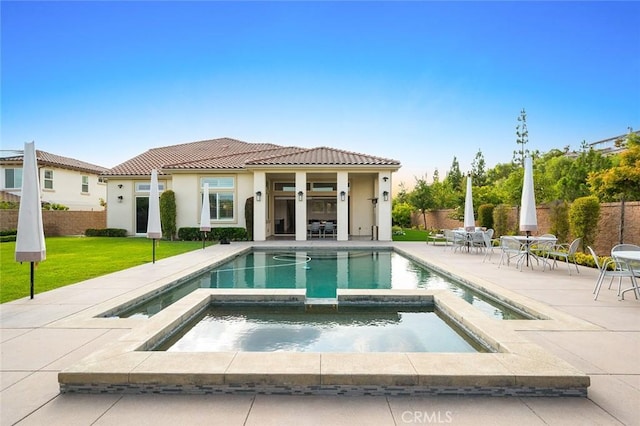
pixel 515 367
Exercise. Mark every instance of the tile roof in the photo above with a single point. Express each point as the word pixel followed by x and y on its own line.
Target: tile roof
pixel 324 156
pixel 226 153
pixel 49 159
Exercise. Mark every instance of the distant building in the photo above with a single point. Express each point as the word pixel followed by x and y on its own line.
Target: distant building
pixel 607 146
pixel 66 181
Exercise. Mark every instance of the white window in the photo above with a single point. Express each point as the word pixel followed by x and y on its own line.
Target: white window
pixel 221 197
pixel 48 179
pixel 146 186
pixel 13 178
pixel 85 184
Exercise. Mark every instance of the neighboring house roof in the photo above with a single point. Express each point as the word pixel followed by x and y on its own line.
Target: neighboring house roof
pixel 48 159
pixel 226 153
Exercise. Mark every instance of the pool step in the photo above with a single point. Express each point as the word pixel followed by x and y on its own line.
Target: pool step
pixel 324 304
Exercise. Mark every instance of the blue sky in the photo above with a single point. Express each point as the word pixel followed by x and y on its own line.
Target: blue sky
pixel 419 82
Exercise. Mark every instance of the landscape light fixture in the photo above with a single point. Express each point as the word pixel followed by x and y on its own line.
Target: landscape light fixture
pixel 300 195
pixel 258 195
pixel 342 195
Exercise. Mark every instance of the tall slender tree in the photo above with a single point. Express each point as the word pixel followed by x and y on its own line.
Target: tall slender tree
pixel 478 170
pixel 454 177
pixel 522 138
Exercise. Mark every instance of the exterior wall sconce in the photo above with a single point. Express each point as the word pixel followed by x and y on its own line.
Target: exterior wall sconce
pixel 374 201
pixel 120 185
pixel 342 195
pixel 258 195
pixel 300 195
pixel 386 178
pixel 385 195
pixel 120 198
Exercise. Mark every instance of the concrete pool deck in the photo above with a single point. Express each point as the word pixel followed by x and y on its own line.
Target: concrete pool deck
pixel 34 351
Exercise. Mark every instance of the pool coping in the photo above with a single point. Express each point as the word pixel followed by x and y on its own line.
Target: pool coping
pixel 517 367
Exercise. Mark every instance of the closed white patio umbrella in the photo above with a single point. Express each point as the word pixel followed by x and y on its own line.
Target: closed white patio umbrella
pixel 205 214
pixel 30 244
pixel 154 229
pixel 528 216
pixel 469 218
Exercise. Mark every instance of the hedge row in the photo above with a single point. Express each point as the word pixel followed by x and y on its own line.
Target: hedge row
pixel 106 232
pixel 231 234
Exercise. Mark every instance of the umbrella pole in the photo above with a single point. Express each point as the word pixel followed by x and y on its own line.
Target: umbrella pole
pixel 153 250
pixel 32 274
pixel 528 235
pixel 204 238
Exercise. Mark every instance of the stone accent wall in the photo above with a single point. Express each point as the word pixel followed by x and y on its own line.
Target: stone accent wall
pixel 608 226
pixel 59 222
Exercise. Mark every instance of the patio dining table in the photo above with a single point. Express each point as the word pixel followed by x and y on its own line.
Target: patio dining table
pixel 529 241
pixel 632 260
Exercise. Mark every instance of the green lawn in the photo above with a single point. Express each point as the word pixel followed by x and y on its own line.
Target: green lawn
pixel 74 259
pixel 412 235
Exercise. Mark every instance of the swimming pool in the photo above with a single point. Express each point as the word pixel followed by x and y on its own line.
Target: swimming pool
pixel 353 329
pixel 321 273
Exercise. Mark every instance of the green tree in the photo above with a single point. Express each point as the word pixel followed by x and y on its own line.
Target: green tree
pixel 622 180
pixel 574 182
pixel 454 177
pixel 421 198
pixel 478 170
pixel 442 194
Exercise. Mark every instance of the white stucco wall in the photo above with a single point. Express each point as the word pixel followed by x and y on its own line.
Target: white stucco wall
pixel 67 188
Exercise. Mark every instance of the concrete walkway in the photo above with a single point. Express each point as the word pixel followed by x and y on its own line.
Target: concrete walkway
pixel 33 352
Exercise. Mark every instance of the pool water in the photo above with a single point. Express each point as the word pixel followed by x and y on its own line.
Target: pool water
pixel 321 273
pixel 268 329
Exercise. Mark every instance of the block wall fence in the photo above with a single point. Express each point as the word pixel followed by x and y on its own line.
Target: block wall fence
pixel 608 226
pixel 59 222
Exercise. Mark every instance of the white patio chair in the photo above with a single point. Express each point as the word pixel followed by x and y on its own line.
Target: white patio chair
pixel 565 252
pixel 605 272
pixel 511 248
pixel 626 266
pixel 490 244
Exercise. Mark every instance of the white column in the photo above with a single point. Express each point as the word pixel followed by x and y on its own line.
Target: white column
pixel 384 207
pixel 259 207
pixel 343 206
pixel 301 206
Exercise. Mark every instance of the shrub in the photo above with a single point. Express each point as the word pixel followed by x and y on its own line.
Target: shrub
pixel 485 215
pixel 168 213
pixel 401 214
pixel 54 206
pixel 194 234
pixel 9 205
pixel 8 232
pixel 559 218
pixel 106 232
pixel 584 214
pixel 248 217
pixel 501 220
